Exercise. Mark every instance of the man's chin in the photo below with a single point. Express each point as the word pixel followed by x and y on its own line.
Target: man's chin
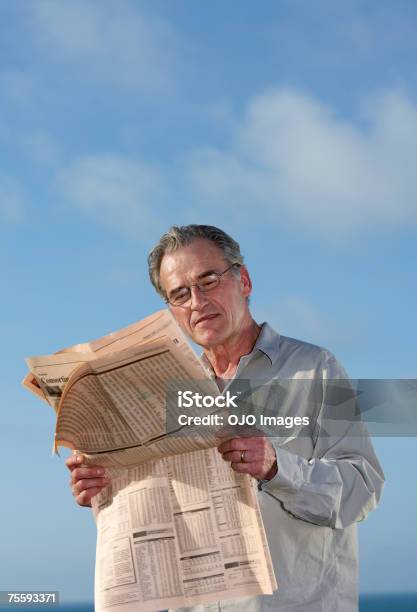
pixel 207 338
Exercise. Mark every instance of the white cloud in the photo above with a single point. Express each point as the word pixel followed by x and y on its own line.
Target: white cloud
pixel 122 194
pixel 296 316
pixel 11 200
pixel 293 158
pixel 123 48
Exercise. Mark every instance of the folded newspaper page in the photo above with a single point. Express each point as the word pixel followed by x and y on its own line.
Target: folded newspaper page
pixel 47 377
pixel 177 526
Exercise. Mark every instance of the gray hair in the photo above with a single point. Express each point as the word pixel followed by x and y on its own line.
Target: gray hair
pixel 179 236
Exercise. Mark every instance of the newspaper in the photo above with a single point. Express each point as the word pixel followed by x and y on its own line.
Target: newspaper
pixel 177 532
pixel 53 368
pixel 177 526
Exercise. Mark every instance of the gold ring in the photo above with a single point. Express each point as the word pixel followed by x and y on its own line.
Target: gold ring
pixel 242 456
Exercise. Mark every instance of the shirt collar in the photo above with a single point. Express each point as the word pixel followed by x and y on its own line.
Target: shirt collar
pixel 268 342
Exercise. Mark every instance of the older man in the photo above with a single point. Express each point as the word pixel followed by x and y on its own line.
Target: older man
pixel 312 489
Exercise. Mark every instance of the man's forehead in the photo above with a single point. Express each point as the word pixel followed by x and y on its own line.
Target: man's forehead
pixel 200 250
pixel 198 257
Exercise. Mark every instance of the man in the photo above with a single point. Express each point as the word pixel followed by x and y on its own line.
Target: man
pixel 312 489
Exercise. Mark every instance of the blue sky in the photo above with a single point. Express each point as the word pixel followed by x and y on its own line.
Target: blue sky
pixel 292 125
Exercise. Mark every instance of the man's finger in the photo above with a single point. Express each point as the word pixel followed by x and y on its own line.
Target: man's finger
pixel 85 497
pixel 81 473
pixel 233 444
pixel 240 456
pixel 89 483
pixel 74 460
pixel 253 469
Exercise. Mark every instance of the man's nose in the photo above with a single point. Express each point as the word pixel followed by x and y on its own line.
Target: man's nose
pixel 198 298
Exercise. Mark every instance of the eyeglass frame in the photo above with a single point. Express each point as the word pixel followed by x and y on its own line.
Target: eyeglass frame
pixel 189 287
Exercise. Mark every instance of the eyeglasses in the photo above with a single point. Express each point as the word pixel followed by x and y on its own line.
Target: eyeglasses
pixel 206 284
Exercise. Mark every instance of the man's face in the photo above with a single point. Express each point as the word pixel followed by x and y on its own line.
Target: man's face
pixel 216 316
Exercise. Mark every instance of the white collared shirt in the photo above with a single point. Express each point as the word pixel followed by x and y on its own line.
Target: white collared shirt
pixel 325 484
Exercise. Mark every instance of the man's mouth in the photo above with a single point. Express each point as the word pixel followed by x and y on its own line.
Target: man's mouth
pixel 204 318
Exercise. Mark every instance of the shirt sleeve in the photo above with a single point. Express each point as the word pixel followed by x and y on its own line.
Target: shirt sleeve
pixel 343 479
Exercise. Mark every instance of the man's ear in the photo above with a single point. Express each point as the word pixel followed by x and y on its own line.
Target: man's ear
pixel 245 281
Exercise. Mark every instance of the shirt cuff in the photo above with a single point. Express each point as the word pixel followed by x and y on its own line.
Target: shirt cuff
pixel 289 475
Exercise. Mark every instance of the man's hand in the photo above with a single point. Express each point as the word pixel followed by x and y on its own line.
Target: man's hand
pixel 255 456
pixel 86 481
